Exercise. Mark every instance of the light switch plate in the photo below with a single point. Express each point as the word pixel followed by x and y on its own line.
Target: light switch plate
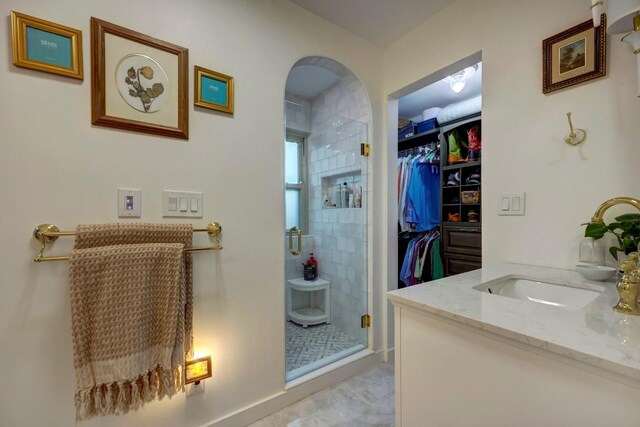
pixel 129 203
pixel 181 204
pixel 513 202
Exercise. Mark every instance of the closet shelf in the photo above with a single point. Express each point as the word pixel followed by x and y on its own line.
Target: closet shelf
pixel 419 135
pixel 463 224
pixel 461 165
pixel 419 139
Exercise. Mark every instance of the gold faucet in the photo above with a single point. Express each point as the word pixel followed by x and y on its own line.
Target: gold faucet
pixel 599 215
pixel 629 286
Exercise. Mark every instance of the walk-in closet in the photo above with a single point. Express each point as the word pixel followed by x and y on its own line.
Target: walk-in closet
pixel 440 178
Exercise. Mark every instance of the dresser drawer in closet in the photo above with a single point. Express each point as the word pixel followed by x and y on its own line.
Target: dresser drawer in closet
pixel 456 264
pixel 462 240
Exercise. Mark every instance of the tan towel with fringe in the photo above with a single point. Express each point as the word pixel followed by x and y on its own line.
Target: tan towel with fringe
pixel 129 319
pixel 94 235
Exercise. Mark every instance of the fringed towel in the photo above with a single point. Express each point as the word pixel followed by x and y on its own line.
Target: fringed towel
pixel 131 316
pixel 94 235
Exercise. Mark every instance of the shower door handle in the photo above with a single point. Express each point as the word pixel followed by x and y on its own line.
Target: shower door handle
pixel 293 251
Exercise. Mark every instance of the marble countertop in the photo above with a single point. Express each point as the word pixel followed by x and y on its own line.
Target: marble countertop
pixel 595 334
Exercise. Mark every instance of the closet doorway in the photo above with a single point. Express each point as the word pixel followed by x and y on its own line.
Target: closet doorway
pixel 428 121
pixel 327 209
pixel 439 170
pixel 437 156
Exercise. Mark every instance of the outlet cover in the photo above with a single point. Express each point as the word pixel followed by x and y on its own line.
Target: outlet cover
pixel 129 203
pixel 195 388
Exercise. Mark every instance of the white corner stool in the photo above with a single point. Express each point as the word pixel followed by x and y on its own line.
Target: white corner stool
pixel 312 314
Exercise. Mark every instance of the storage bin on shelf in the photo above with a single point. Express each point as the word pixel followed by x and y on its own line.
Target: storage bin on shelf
pixel 470 197
pixel 406 131
pixel 426 125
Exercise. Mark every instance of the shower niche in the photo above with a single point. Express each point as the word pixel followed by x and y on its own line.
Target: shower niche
pixel 342 191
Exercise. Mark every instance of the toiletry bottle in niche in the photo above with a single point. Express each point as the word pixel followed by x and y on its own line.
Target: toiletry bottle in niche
pixel 325 200
pixel 338 197
pixel 359 198
pixel 345 195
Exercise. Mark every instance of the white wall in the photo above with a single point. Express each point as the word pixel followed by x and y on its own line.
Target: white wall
pixel 56 167
pixel 523 130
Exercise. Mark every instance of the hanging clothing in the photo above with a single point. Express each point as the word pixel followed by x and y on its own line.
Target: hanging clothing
pixel 424 197
pixel 419 191
pixel 421 262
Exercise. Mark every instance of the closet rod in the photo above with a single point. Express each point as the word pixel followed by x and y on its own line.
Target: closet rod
pixel 46 233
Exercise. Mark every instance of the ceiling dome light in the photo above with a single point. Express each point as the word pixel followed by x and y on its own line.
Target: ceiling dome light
pixel 458 80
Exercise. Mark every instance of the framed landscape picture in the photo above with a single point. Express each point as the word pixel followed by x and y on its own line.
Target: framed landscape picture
pixel 46 46
pixel 213 90
pixel 574 56
pixel 138 83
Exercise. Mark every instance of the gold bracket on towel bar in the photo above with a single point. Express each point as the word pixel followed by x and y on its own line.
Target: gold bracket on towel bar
pixel 47 233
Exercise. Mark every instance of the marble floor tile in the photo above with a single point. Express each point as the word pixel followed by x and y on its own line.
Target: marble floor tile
pixel 366 400
pixel 308 345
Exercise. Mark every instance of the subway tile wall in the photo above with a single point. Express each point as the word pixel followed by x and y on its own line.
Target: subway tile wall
pixel 337 124
pixel 340 233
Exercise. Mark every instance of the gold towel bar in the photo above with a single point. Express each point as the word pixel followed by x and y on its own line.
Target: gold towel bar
pixel 45 233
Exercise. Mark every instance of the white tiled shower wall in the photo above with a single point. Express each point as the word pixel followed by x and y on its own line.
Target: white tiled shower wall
pixel 338 237
pixel 341 238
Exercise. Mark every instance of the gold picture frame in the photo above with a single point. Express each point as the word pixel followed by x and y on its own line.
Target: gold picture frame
pixel 46 46
pixel 574 56
pixel 197 369
pixel 138 83
pixel 213 90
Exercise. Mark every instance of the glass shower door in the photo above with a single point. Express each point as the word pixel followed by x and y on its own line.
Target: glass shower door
pixel 326 197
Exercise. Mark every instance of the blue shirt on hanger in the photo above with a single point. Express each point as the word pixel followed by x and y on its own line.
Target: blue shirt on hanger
pixel 424 192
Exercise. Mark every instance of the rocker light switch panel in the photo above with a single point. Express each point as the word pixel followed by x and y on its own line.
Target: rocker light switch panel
pixel 129 203
pixel 179 204
pixel 511 204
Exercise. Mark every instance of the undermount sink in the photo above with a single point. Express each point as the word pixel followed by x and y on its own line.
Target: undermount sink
pixel 539 291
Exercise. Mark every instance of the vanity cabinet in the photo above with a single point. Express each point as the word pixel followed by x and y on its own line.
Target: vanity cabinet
pixel 466 358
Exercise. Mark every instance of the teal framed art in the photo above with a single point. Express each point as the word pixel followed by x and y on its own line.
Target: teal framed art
pixel 213 90
pixel 46 46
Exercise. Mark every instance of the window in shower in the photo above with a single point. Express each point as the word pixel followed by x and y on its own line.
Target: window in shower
pixel 295 181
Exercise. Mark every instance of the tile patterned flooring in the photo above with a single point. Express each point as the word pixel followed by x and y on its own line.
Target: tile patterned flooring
pixel 366 400
pixel 305 346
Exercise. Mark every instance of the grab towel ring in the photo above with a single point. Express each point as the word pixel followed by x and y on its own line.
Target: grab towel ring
pixel 299 232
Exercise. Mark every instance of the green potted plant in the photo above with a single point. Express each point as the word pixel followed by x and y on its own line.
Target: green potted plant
pixel 626 229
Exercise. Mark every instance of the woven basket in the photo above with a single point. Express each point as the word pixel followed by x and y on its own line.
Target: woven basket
pixel 470 197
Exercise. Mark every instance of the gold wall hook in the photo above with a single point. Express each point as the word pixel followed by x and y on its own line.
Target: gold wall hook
pixel 575 136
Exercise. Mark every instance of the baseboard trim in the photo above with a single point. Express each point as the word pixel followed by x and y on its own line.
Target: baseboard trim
pixel 391 356
pixel 299 389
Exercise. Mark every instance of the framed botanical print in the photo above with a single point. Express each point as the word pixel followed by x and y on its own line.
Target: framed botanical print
pixel 213 90
pixel 574 56
pixel 46 46
pixel 138 83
